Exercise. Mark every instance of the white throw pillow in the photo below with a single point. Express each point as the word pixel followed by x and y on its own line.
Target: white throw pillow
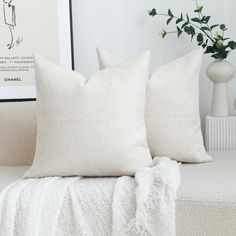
pixel 91 127
pixel 172 108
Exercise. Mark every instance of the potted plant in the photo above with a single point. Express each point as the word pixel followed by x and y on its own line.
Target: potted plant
pixel 211 37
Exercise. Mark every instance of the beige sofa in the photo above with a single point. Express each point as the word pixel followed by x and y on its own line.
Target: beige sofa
pixel 206 203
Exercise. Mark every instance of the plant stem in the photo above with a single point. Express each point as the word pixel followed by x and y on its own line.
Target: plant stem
pixel 198 12
pixel 175 17
pixel 200 15
pixel 172 32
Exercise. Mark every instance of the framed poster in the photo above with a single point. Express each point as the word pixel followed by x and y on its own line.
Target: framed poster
pixel 28 26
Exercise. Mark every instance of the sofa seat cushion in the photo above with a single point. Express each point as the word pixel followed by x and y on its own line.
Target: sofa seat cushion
pixel 9 174
pixel 18 133
pixel 206 202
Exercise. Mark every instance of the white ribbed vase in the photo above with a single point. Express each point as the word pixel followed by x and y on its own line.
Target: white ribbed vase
pixel 220 73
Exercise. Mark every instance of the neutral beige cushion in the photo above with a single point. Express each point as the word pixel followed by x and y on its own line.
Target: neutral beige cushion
pixel 172 108
pixel 91 127
pixel 206 204
pixel 17 133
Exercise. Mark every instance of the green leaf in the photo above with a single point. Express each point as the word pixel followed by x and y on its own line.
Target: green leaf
pixel 179 31
pixel 192 31
pixel 187 17
pixel 209 49
pixel 214 26
pixel 170 13
pixel 195 19
pixel 168 21
pixel 163 33
pixel 185 24
pixel 152 12
pixel 199 9
pixel 200 37
pixel 232 45
pixel 178 21
pixel 181 16
pixel 207 18
pixel 187 29
pixel 222 27
pixel 220 55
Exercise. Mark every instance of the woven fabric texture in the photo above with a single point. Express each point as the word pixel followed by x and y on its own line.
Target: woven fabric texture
pixel 92 127
pixel 172 108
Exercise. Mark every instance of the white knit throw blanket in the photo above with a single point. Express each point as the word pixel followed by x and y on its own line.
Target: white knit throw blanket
pixel 144 205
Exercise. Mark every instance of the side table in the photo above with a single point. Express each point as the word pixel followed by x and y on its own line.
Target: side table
pixel 220 133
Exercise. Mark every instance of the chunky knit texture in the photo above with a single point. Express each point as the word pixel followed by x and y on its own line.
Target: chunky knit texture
pixel 53 206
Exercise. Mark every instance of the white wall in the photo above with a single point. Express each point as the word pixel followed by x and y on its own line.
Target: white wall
pixel 124 28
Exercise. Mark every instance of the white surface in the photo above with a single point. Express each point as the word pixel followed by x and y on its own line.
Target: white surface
pixel 80 206
pixel 124 28
pixel 91 127
pixel 220 133
pixel 220 73
pixel 172 114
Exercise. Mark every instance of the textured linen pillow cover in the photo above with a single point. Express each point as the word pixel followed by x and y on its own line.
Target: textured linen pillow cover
pixel 172 108
pixel 91 127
